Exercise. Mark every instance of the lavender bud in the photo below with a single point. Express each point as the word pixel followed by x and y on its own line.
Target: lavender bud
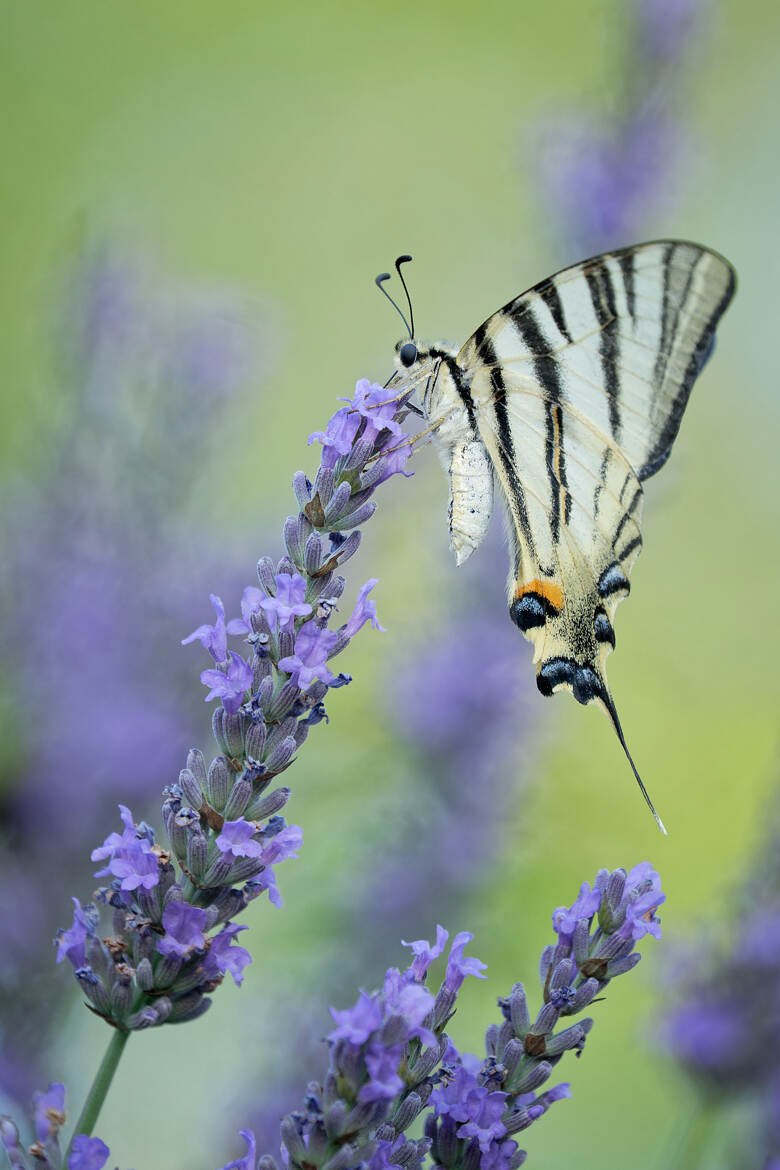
pixel 197 849
pixel 518 1010
pixel 94 989
pixel 312 554
pixel 337 504
pixel 121 994
pixel 219 870
pixel 472 1158
pixel 614 891
pixel 281 755
pixel 190 787
pixel 545 963
pixel 535 1076
pixel 563 974
pixel 345 1158
pixel 144 975
pixel 177 830
pixel 238 800
pixel 286 644
pixel 267 805
pixel 580 942
pixel 586 992
pixel 218 783
pixel 264 691
pixel 407 1111
pixel 443 1007
pixel 564 1040
pixel 255 740
pixel 218 729
pixel 513 1053
pixel 349 547
pixel 324 483
pixel 334 1117
pixel 291 534
pixel 545 1021
pixel 425 1064
pixel 266 575
pixel 302 488
pixel 286 567
pixel 292 1139
pixel 189 1007
pixel 317 1144
pixel 491 1040
pixel 234 734
pixel 361 452
pixel 197 765
pixel 267 1163
pixel 356 518
pixel 149 902
pixel 282 701
pixel 620 966
pixel 166 970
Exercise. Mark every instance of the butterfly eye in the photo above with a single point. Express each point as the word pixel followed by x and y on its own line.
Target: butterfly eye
pixel 408 354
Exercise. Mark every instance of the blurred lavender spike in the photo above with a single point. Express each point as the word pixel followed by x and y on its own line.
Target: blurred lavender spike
pixel 96 532
pixel 605 176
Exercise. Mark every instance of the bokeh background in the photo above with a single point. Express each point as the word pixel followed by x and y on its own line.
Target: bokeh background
pixel 195 201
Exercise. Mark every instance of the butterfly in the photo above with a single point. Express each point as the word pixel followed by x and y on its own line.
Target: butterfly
pixel 569 398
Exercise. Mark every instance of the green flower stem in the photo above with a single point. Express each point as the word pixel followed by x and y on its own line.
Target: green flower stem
pixel 100 1086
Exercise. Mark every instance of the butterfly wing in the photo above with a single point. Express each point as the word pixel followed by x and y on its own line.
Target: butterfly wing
pixel 579 387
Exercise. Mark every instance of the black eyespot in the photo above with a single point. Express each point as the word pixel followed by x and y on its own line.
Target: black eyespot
pixel 408 354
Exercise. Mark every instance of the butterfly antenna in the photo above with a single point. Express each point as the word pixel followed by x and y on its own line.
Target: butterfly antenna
pixel 379 281
pixel 613 715
pixel 405 260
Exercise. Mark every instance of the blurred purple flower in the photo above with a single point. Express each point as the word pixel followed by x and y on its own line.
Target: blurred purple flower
pixel 604 176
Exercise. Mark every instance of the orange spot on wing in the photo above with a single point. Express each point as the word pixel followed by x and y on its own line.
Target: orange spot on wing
pixel 547 590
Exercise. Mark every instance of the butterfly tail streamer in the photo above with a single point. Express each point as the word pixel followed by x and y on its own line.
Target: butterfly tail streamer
pixel 609 706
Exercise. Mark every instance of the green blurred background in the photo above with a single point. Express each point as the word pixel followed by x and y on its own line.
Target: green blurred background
pixel 290 153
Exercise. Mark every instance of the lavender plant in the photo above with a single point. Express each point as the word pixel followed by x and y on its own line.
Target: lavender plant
pixel 392 1062
pixel 171 910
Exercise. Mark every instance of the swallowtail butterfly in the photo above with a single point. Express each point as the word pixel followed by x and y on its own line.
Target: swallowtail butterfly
pixel 570 397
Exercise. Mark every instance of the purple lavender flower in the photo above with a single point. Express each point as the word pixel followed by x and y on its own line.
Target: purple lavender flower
pixel 183 929
pixel 224 957
pixel 248 1160
pixel 48 1112
pixel 212 638
pixel 313 647
pixel 288 603
pixel 88 1153
pixel 131 857
pixel 237 840
pixel 229 685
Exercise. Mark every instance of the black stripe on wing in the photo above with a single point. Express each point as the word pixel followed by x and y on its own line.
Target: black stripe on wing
pixel 701 352
pixel 504 430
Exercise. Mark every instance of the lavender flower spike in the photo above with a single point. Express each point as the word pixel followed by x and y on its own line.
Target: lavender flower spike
pixel 172 937
pixel 391 1060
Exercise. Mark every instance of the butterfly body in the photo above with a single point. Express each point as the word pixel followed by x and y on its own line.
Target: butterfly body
pixel 569 397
